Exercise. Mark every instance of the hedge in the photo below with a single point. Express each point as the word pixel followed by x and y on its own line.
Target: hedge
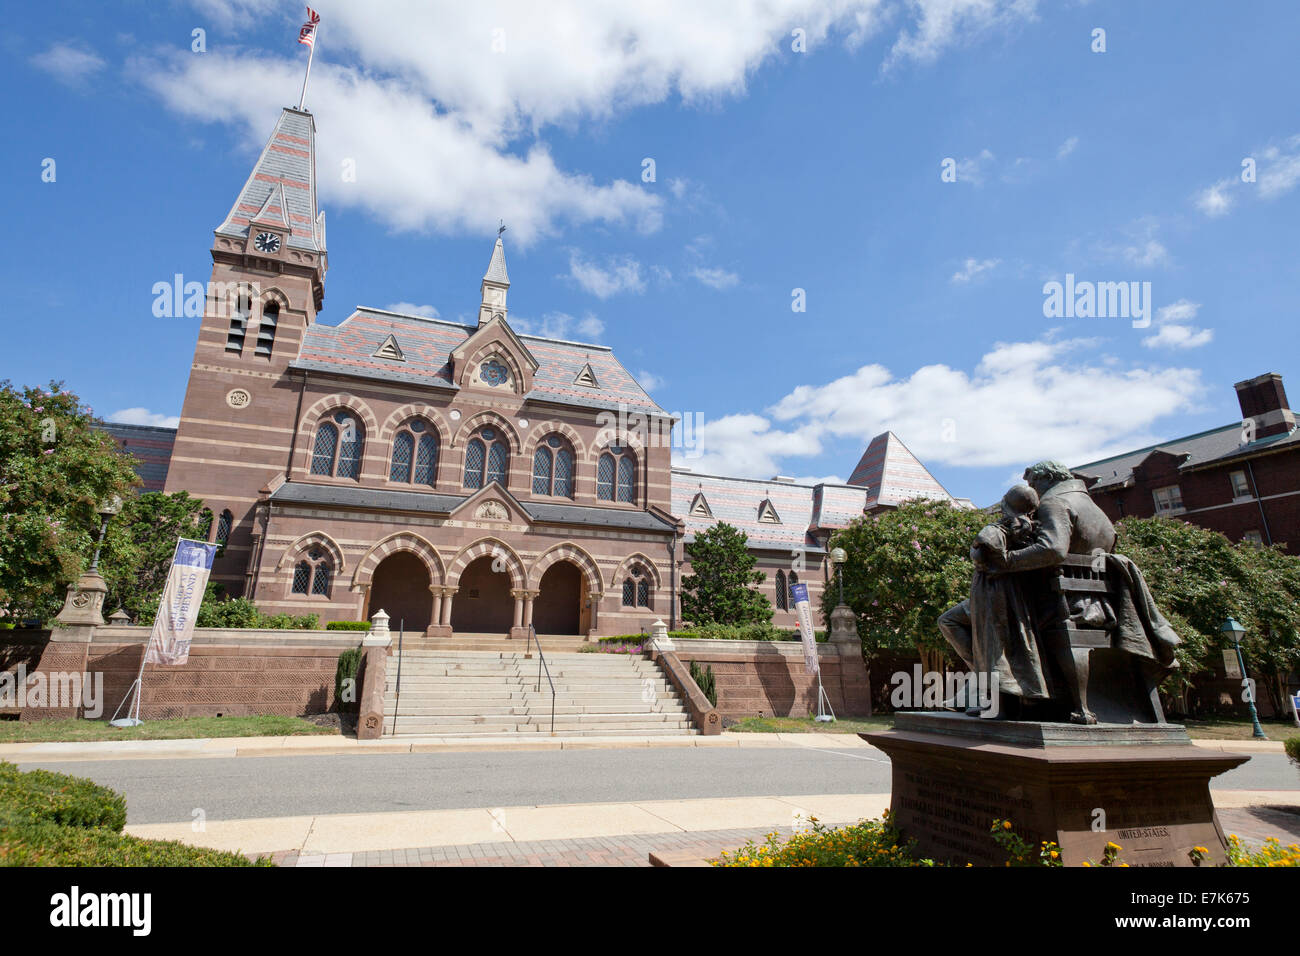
pixel 348 626
pixel 53 819
pixel 1292 745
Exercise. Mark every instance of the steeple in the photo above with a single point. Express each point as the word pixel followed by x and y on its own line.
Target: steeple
pixel 274 219
pixel 495 283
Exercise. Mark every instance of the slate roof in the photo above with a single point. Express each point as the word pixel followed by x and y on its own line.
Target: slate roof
pixel 287 162
pixel 892 474
pixel 298 492
pixel 1202 448
pixel 152 447
pixel 348 349
pixel 736 501
pixel 496 271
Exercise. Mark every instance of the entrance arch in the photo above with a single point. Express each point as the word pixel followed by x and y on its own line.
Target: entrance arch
pixel 484 604
pixel 400 585
pixel 559 605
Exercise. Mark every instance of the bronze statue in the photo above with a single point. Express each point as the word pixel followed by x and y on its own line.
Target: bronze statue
pixel 1053 593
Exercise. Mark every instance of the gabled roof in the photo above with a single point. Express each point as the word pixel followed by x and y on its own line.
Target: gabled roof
pixel 349 349
pixel 892 474
pixel 737 501
pixel 1198 450
pixel 288 162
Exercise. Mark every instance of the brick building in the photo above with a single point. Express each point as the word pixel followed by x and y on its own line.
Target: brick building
pixel 152 447
pixel 1242 479
pixel 464 478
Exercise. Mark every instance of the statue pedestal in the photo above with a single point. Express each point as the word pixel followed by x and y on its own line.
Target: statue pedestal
pixel 1144 785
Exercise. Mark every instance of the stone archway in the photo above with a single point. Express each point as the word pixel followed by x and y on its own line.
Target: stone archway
pixel 400 586
pixel 485 603
pixel 558 607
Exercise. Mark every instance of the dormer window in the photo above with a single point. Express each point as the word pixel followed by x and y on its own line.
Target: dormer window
pixel 766 513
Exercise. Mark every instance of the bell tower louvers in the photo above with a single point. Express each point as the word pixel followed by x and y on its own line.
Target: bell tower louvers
pixel 268 282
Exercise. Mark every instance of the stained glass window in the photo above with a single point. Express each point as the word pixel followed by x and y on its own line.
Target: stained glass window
pixel 426 460
pixel 626 479
pixel 350 451
pixel 223 527
pixel 542 471
pixel 629 593
pixel 564 473
pixel 320 582
pixel 474 456
pixel 605 477
pixel 403 445
pixel 498 462
pixel 301 577
pixel 782 592
pixel 322 456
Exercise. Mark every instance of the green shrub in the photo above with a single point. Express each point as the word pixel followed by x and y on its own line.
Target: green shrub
pixel 42 796
pixel 349 664
pixel 243 613
pixel 49 844
pixel 348 626
pixel 867 843
pixel 705 681
pixel 1292 745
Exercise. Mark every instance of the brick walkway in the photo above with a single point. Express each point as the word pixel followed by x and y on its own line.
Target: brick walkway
pixel 630 850
pixel 1253 825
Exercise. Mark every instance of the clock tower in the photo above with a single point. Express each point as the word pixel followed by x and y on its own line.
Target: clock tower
pixel 268 283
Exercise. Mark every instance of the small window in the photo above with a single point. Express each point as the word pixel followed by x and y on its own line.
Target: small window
pixel 415 455
pixel 224 525
pixel 553 468
pixel 1240 487
pixel 616 475
pixel 782 592
pixel 266 331
pixel 312 574
pixel 487 459
pixel 238 324
pixel 636 587
pixel 339 445
pixel 1168 500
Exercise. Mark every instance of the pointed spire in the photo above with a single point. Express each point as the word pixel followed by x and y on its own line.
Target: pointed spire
pixel 496 271
pixel 287 169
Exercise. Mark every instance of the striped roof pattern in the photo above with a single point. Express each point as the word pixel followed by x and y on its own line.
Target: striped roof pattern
pixel 1200 449
pixel 736 501
pixel 288 162
pixel 834 506
pixel 892 474
pixel 349 349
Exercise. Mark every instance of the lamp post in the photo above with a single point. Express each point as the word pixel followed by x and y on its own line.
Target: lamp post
pixel 1236 631
pixel 838 557
pixel 106 511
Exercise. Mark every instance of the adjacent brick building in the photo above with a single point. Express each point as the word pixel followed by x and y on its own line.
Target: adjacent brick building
pixel 1242 479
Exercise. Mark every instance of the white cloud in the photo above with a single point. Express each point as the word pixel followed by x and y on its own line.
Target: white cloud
pixel 473 90
pixel 715 278
pixel 1214 200
pixel 1173 330
pixel 620 274
pixel 971 169
pixel 560 325
pixel 649 380
pixel 410 308
pixel 68 64
pixel 1066 148
pixel 1023 401
pixel 142 416
pixel 973 267
pixel 677 187
pixel 1280 170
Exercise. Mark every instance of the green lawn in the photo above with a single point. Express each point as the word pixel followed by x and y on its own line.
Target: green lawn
pixel 1216 728
pixel 806 725
pixel 42 731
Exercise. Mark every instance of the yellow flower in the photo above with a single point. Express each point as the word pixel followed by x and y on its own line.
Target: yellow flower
pixel 1006 824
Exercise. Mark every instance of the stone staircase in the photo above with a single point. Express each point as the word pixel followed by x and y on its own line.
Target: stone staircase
pixel 494 693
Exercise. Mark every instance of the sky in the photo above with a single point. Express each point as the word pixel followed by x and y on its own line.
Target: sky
pixel 797 222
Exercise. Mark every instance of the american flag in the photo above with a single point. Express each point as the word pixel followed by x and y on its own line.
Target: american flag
pixel 307 34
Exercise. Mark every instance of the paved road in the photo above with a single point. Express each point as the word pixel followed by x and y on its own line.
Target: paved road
pixel 164 790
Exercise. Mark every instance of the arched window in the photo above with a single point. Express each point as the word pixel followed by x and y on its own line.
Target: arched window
pixel 636 587
pixel 223 528
pixel 266 331
pixel 340 442
pixel 553 468
pixel 239 323
pixel 616 475
pixel 415 454
pixel 487 459
pixel 782 592
pixel 311 575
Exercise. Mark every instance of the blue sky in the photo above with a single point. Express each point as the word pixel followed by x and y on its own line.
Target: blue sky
pixel 775 171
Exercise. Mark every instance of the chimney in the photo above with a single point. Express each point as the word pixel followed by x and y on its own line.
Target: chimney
pixel 1263 399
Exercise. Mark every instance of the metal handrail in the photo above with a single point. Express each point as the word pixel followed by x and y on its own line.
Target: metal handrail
pixel 401 627
pixel 541 663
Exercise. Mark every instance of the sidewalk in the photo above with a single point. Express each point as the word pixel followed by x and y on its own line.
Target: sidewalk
pixel 329 744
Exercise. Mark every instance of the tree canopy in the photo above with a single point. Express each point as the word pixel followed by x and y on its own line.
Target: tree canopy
pixel 720 587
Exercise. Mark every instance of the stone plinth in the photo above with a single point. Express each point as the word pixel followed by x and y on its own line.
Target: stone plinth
pixel 1142 786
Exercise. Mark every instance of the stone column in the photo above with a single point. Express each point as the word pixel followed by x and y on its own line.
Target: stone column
pixel 379 635
pixel 68 650
pixel 855 683
pixel 447 595
pixel 594 597
pixel 441 599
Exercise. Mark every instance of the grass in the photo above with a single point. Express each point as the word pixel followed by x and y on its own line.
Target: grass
pixel 1231 728
pixel 807 725
pixel 72 729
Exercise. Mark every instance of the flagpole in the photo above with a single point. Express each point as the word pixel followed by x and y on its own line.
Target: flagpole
pixel 137 685
pixel 311 52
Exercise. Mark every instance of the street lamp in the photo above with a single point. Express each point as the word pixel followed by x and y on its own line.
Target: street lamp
pixel 1236 631
pixel 838 557
pixel 106 511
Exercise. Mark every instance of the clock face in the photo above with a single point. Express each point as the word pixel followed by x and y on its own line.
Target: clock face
pixel 267 242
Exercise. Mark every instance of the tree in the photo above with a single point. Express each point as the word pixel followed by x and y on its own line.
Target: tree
pixel 55 470
pixel 904 568
pixel 720 587
pixel 1199 578
pixel 139 546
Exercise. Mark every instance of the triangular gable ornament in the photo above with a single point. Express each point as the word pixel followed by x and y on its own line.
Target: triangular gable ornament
pixel 700 507
pixel 389 349
pixel 766 513
pixel 586 377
